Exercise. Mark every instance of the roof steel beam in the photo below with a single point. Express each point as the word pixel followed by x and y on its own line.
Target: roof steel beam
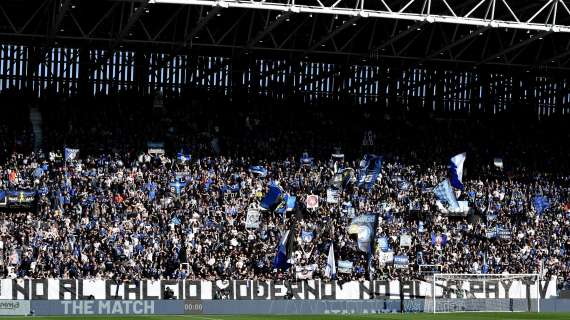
pixel 370 10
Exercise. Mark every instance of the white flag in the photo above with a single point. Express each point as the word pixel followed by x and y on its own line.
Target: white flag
pixel 330 269
pixel 498 162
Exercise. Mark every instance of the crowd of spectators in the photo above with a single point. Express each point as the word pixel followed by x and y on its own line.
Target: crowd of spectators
pixel 117 212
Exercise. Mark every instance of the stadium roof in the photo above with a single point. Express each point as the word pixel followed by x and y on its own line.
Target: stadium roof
pixel 528 34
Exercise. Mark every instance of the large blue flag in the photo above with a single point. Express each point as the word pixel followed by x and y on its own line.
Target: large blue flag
pixel 445 195
pixel 280 260
pixel 456 170
pixel 370 168
pixel 272 198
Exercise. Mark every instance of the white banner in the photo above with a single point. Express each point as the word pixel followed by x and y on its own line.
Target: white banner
pixel 344 266
pixel 305 272
pixel 252 219
pixel 385 258
pixel 405 240
pixel 52 289
pixel 332 196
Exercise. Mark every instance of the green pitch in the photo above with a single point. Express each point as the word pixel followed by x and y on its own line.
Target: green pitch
pixel 416 316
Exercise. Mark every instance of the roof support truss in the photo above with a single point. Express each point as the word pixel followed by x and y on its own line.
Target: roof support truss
pixel 483 13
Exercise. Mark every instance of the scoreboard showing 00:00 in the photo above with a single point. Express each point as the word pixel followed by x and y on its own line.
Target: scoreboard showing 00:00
pixel 193 307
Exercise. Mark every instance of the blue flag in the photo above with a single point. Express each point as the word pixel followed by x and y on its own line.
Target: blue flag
pixel 282 207
pixel 280 260
pixel 456 170
pixel 183 157
pixel 370 168
pixel 3 198
pixel 177 185
pixel 438 239
pixel 445 194
pixel 70 154
pixel 540 203
pixel 272 198
pixel 288 204
pixel 291 201
pixel 259 170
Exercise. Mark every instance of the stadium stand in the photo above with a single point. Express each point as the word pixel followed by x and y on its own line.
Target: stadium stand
pixel 398 155
pixel 116 211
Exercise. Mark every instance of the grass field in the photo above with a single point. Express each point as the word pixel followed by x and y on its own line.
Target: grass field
pixel 416 316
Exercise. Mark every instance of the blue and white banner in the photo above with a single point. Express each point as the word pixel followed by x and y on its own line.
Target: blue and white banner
pixel 305 272
pixel 383 244
pixel 343 178
pixel 20 198
pixel 363 227
pixel 307 235
pixel 70 154
pixel 345 266
pixel 259 170
pixel 421 227
pixel 183 157
pixel 456 170
pixel 445 195
pixel 291 201
pixel 155 147
pixel 401 262
pixel 177 185
pixel 370 168
pixel 499 232
pixel 306 160
pixel 503 232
